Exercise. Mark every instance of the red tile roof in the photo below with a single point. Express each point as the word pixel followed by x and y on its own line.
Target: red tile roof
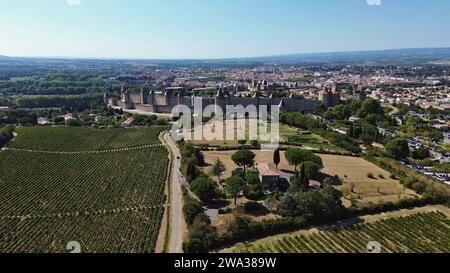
pixel 268 169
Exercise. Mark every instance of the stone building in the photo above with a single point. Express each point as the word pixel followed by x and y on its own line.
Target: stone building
pixel 164 102
pixel 330 97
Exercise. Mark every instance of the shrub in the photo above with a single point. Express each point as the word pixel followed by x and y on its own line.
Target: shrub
pixel 238 172
pixel 419 187
pixel 251 207
pixel 202 217
pixel 255 143
pixel 200 238
pixel 226 210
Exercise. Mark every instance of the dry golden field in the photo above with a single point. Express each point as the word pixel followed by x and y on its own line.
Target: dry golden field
pixel 354 172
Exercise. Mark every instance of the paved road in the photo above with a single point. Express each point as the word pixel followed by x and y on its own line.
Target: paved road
pixel 177 224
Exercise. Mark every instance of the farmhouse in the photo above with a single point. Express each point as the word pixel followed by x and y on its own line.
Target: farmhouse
pixel 268 174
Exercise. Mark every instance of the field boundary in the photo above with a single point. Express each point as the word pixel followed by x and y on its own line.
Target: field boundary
pixel 85 213
pixel 85 152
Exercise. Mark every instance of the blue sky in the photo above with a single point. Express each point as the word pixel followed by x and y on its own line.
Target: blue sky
pixel 217 28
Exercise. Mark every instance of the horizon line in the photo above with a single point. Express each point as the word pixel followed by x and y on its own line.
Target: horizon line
pixel 215 58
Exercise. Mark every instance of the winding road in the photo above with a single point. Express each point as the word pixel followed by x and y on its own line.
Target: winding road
pixel 394 109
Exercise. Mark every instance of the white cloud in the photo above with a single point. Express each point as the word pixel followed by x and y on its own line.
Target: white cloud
pixel 374 2
pixel 72 3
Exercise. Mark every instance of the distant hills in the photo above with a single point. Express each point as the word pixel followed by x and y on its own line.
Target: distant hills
pixel 376 56
pixel 410 55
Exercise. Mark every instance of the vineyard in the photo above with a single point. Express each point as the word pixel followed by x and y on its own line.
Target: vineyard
pixel 80 139
pixel 119 232
pixel 111 201
pixel 418 233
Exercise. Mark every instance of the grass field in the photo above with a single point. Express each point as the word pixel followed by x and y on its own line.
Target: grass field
pixel 353 171
pixel 108 202
pixel 286 133
pixel 417 233
pixel 80 139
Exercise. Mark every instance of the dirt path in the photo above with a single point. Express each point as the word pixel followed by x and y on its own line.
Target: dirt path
pixel 394 109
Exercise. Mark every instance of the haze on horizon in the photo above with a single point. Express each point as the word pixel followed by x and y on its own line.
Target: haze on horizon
pixel 203 29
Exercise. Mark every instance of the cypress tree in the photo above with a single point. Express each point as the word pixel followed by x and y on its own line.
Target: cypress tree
pixel 276 158
pixel 300 181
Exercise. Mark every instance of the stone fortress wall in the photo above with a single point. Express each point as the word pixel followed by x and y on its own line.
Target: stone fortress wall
pixel 164 102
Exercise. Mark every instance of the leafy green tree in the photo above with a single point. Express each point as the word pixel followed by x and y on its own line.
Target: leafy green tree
pixel 370 106
pixel 204 188
pixel 254 189
pixel 251 176
pixel 296 156
pixel 244 158
pixel 397 148
pixel 311 168
pixel 234 186
pixel 319 205
pixel 368 139
pixel 189 151
pixel 199 156
pixel 288 205
pixel 189 168
pixel 191 209
pixel 421 153
pixel 300 181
